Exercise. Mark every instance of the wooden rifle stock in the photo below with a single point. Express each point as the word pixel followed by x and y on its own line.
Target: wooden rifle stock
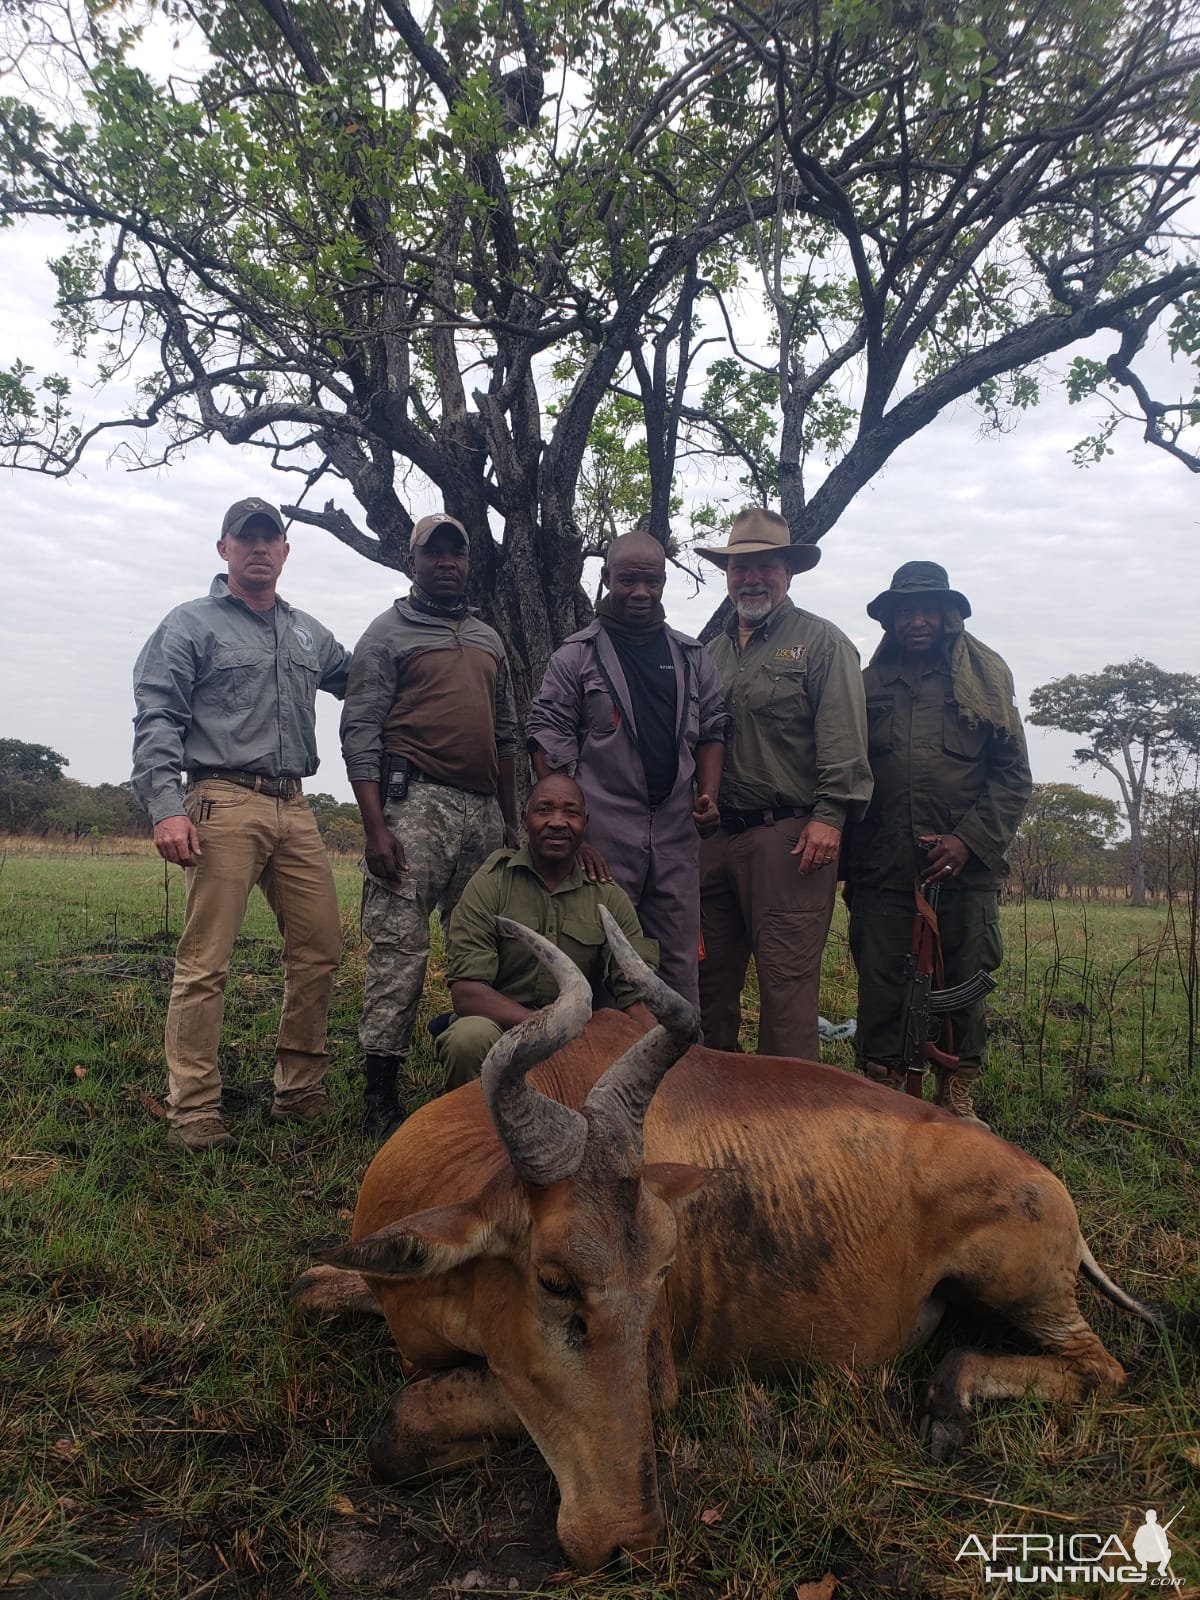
pixel 922 1002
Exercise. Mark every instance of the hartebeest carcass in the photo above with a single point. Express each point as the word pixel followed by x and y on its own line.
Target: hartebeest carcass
pixel 549 1266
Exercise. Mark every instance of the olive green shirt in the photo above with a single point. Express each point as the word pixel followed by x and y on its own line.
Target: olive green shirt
pixel 935 772
pixel 508 885
pixel 798 728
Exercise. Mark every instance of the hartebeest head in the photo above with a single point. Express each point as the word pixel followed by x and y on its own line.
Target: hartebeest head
pixel 564 1263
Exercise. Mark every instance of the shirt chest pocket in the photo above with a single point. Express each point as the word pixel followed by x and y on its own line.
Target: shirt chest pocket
pixel 881 726
pixel 601 718
pixel 237 675
pixel 782 692
pixel 582 938
pixel 960 740
pixel 691 726
pixel 303 668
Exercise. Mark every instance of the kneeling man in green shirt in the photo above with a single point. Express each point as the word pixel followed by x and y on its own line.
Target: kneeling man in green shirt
pixel 496 982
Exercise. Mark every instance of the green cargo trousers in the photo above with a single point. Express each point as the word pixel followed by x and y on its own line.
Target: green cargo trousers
pixel 246 839
pixel 463 1048
pixel 880 938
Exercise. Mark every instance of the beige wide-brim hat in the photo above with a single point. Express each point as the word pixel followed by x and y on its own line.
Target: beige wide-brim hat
pixel 755 531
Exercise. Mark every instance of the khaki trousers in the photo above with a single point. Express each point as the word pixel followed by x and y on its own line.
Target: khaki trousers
pixel 247 839
pixel 753 901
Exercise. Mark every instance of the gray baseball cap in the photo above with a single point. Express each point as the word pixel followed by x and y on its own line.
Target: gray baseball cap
pixel 243 511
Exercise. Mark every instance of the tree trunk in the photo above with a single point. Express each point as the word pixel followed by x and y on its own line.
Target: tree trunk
pixel 1138 852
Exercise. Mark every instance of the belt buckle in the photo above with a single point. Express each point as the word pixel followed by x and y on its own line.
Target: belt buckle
pixel 733 822
pixel 289 788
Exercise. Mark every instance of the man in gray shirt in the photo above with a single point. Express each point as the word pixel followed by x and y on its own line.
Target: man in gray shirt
pixel 225 690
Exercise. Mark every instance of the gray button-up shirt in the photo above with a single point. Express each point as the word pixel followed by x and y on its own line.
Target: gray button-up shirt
pixel 220 685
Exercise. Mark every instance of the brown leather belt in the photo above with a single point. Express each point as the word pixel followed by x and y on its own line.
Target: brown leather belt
pixel 276 788
pixel 739 821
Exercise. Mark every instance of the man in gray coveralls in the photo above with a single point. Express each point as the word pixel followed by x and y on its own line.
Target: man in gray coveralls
pixel 636 708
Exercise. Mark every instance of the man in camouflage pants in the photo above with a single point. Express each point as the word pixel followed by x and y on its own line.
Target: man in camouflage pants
pixel 429 741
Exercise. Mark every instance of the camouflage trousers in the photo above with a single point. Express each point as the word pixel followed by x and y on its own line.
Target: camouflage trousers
pixel 880 936
pixel 447 834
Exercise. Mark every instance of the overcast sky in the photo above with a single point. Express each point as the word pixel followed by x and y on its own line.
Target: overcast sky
pixel 1066 570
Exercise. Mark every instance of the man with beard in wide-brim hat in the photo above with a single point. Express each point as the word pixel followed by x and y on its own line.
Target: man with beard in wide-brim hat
pixel 795 771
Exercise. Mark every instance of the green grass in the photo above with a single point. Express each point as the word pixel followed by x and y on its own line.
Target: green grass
pixel 168 1428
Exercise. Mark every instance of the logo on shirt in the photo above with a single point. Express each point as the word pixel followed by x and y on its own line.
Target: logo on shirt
pixel 791 652
pixel 303 636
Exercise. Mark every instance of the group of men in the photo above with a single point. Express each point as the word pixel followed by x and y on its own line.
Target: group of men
pixel 709 796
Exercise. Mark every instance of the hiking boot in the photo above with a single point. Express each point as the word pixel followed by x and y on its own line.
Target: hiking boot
pixel 382 1111
pixel 310 1109
pixel 887 1077
pixel 204 1133
pixel 953 1093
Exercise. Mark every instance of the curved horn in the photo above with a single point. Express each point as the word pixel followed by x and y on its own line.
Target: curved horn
pixel 544 1139
pixel 627 1088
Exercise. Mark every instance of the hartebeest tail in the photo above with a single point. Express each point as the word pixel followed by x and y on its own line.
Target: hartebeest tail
pixel 1094 1274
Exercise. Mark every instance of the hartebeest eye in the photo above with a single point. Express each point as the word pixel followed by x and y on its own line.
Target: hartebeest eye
pixel 557 1284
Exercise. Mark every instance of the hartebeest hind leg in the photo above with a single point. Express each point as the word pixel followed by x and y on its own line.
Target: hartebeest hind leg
pixel 438 1423
pixel 1080 1367
pixel 1033 1287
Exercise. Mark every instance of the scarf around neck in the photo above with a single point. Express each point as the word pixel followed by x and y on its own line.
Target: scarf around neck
pixel 982 683
pixel 611 623
pixel 436 608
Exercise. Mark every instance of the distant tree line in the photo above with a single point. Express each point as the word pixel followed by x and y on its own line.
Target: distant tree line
pixel 1142 727
pixel 37 799
pixel 1068 844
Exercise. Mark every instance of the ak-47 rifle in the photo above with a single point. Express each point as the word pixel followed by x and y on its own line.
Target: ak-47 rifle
pixel 923 1004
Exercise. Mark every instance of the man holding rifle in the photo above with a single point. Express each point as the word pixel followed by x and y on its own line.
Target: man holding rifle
pixel 952 781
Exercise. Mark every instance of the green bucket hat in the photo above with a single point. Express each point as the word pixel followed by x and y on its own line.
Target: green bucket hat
pixel 917 578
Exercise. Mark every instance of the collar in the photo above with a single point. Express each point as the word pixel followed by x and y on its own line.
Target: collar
pixel 411 613
pixel 762 630
pixel 219 590
pixel 573 880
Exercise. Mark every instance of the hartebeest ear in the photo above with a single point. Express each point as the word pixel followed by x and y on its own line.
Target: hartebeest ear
pixel 676 1182
pixel 420 1246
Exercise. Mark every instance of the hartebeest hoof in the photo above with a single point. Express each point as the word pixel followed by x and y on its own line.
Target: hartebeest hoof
pixel 945 1421
pixel 945 1435
pixel 396 1457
